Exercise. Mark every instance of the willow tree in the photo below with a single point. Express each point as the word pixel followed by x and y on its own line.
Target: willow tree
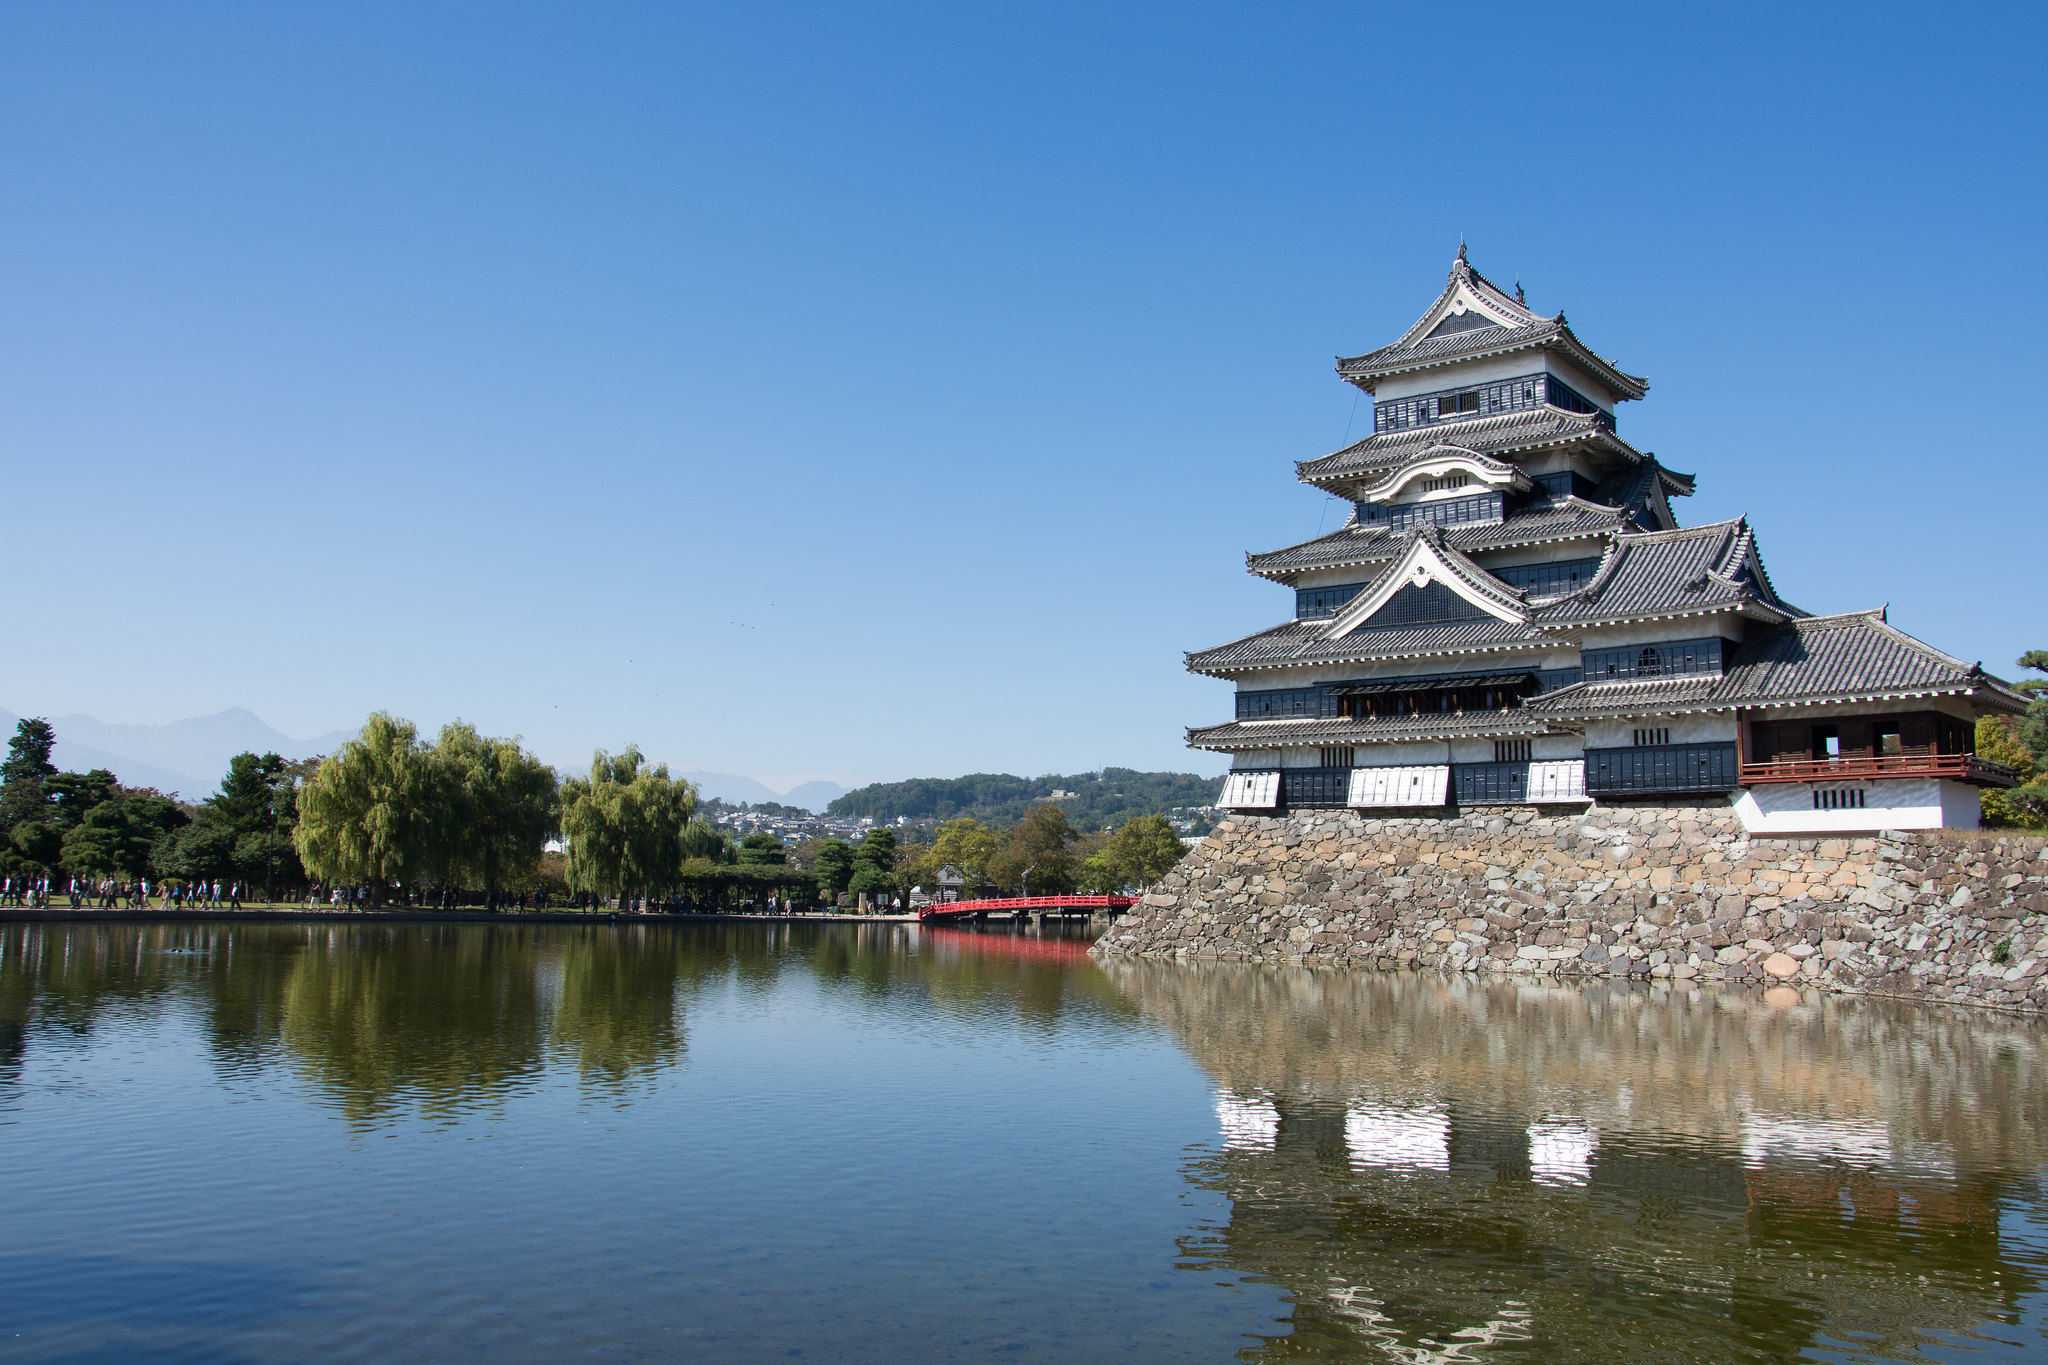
pixel 624 825
pixel 498 806
pixel 368 812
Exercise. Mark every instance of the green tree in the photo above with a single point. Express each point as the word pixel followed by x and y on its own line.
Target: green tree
pixel 1038 858
pixel 969 845
pixel 118 836
pixel 200 851
pixel 624 825
pixel 499 804
pixel 26 836
pixel 367 814
pixel 706 842
pixel 833 866
pixel 71 795
pixel 874 863
pixel 914 868
pixel 761 849
pixel 1144 850
pixel 255 807
pixel 2021 744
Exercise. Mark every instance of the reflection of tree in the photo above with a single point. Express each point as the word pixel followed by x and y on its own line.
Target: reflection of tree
pixel 1870 1205
pixel 616 1010
pixel 384 1017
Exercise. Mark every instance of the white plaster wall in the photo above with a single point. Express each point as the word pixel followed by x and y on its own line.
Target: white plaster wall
pixel 1471 372
pixel 1890 803
pixel 1486 371
pixel 1494 560
pixel 1405 752
pixel 1550 461
pixel 1332 578
pixel 1962 806
pixel 1256 758
pixel 1700 728
pixel 1557 746
pixel 1471 751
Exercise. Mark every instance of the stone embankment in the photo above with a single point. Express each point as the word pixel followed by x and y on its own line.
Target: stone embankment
pixel 1675 893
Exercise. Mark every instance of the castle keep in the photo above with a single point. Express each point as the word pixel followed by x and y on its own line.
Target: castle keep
pixel 1512 615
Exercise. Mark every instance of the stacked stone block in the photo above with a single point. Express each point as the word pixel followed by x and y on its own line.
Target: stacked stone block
pixel 1675 893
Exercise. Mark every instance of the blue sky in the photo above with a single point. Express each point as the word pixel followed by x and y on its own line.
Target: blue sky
pixel 860 392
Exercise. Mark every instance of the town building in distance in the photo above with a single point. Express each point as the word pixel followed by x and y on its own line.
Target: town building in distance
pixel 1513 615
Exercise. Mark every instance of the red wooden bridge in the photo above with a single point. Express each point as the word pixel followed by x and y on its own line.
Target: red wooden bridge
pixel 942 912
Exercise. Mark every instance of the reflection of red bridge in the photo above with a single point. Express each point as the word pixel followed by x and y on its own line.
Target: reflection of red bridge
pixel 951 944
pixel 1023 906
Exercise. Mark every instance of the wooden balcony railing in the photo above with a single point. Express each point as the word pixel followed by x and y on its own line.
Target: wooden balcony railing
pixel 1956 767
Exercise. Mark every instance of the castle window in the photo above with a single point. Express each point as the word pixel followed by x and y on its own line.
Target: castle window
pixel 1316 604
pixel 1338 757
pixel 1653 736
pixel 1511 751
pixel 1670 659
pixel 1473 507
pixel 1451 404
pixel 1543 579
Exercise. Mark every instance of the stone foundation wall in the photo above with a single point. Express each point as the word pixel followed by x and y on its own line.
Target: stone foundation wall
pixel 1664 892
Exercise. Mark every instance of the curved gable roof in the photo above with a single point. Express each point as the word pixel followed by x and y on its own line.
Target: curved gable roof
pixel 1444 458
pixel 1508 325
pixel 1675 573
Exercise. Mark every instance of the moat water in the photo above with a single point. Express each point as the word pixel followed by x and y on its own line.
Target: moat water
pixel 397 1142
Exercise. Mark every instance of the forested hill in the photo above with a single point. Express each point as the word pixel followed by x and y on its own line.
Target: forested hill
pixel 1099 801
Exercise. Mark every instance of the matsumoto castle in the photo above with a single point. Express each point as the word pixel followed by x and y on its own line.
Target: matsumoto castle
pixel 1513 615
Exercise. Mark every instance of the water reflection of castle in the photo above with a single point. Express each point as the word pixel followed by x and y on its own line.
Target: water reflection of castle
pixel 1432 1166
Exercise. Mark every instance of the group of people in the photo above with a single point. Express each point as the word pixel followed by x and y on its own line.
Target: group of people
pixel 109 893
pixel 112 893
pixel 31 891
pixel 199 895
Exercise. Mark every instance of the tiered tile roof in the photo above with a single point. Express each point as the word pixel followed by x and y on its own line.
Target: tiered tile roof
pixel 1855 656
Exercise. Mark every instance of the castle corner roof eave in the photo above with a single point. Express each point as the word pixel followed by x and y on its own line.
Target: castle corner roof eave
pixel 1849 658
pixel 1664 575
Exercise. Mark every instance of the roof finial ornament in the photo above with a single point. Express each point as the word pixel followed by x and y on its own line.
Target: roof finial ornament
pixel 1519 297
pixel 1461 248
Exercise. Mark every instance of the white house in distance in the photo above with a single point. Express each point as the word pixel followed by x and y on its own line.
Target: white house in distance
pixel 1513 615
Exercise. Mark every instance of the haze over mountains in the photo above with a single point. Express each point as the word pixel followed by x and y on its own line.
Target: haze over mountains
pixel 188 757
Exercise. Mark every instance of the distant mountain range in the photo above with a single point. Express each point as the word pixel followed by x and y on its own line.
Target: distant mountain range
pixel 188 757
pixel 732 789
